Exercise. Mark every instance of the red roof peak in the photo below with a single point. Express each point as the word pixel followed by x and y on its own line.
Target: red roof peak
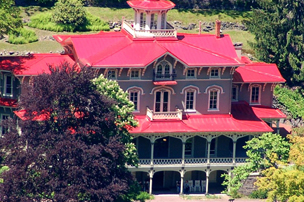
pixel 151 4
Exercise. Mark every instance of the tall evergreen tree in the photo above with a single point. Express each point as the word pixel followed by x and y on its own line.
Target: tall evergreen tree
pixel 71 147
pixel 10 18
pixel 278 27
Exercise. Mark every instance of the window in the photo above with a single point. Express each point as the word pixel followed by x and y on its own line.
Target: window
pixel 142 20
pixel 191 74
pixel 153 24
pixel 4 117
pixel 161 101
pixel 189 147
pixel 214 73
pixel 135 74
pixel 213 99
pixel 112 74
pixel 255 94
pixel 134 97
pixel 190 97
pixel 8 85
pixel 163 71
pixel 234 93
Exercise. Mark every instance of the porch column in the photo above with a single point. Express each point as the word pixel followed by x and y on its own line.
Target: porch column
pixel 208 152
pixel 148 21
pixel 278 126
pixel 183 154
pixel 182 182
pixel 152 152
pixel 151 181
pixel 137 22
pixel 234 151
pixel 207 181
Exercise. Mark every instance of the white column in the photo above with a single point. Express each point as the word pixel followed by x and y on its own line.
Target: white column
pixel 137 21
pixel 183 154
pixel 151 181
pixel 182 182
pixel 159 15
pixel 234 151
pixel 148 21
pixel 207 182
pixel 208 152
pixel 152 153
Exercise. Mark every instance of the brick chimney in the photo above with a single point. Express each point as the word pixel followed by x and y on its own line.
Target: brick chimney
pixel 218 29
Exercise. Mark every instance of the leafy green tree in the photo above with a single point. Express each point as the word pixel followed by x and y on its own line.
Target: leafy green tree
pixel 10 19
pixel 278 26
pixel 70 12
pixel 263 152
pixel 71 146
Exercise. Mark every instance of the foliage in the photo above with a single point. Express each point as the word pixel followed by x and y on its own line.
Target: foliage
pixel 69 12
pixel 22 36
pixel 44 21
pixel 259 194
pixel 263 152
pixel 70 148
pixel 292 99
pixel 10 19
pixel 143 196
pixel 278 27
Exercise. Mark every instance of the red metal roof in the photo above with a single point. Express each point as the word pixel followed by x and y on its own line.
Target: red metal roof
pixel 34 64
pixel 114 49
pixel 264 112
pixel 258 72
pixel 7 102
pixel 151 4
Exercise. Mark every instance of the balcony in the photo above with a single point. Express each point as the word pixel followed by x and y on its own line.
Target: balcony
pixel 170 32
pixel 164 77
pixel 172 115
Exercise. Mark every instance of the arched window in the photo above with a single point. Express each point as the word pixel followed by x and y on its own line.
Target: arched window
pixel 255 94
pixel 134 96
pixel 163 71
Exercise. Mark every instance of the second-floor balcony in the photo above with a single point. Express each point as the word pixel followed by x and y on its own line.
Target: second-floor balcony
pixel 171 115
pixel 164 77
pixel 144 33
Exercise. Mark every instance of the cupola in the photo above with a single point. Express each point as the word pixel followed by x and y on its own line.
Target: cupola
pixel 150 19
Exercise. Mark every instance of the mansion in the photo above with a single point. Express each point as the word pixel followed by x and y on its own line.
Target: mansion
pixel 197 100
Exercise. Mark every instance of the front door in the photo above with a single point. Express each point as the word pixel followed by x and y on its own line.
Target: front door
pixel 161 101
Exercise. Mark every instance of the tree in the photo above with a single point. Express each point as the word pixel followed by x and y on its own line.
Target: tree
pixel 69 12
pixel 278 26
pixel 263 152
pixel 10 19
pixel 71 146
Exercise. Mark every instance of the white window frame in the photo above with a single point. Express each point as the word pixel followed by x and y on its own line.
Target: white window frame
pixel 192 147
pixel 2 115
pixel 218 72
pixel 162 99
pixel 237 93
pixel 138 99
pixel 194 99
pixel 142 20
pixel 111 70
pixel 259 95
pixel 153 21
pixel 139 74
pixel 5 86
pixel 191 77
pixel 163 64
pixel 217 99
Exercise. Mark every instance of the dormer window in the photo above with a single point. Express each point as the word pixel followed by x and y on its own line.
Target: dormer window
pixel 163 71
pixel 215 73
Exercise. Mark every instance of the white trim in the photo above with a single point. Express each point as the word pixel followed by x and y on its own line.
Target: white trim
pixel 162 90
pixel 217 99
pixel 136 88
pixel 214 86
pixel 259 98
pixel 138 99
pixel 163 64
pixel 162 87
pixel 139 74
pixel 5 86
pixel 194 100
pixel 190 86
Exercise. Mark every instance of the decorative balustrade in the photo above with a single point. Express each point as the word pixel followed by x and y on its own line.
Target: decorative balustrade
pixel 171 32
pixel 144 161
pixel 178 114
pixel 195 160
pixel 240 160
pixel 221 160
pixel 167 161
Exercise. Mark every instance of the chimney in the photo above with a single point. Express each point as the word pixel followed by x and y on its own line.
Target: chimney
pixel 218 29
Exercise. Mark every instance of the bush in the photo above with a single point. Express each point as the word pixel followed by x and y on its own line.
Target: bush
pixel 22 36
pixel 69 12
pixel 258 194
pixel 44 21
pixel 143 196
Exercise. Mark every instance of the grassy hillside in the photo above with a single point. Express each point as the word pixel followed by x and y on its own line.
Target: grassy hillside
pixel 185 17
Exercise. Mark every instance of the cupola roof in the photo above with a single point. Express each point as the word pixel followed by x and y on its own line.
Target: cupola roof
pixel 151 4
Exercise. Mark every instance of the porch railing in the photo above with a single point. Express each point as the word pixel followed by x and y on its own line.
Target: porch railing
pixel 178 114
pixel 171 32
pixel 191 161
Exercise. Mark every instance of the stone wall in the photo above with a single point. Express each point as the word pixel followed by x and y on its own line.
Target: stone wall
pixel 248 185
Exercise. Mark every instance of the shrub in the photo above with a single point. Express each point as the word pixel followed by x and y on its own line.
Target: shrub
pixel 69 12
pixel 143 196
pixel 44 21
pixel 258 194
pixel 22 36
